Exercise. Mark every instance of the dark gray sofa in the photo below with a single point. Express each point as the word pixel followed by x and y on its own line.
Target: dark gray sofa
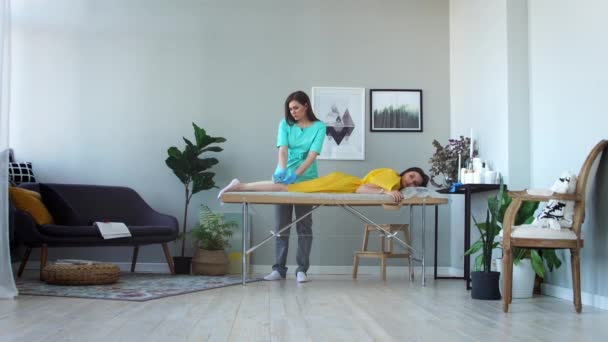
pixel 81 205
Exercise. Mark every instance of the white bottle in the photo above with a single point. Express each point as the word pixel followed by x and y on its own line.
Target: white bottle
pixel 477 177
pixel 484 179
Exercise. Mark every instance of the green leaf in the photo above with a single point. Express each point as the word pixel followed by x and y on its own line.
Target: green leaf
pixel 474 248
pixel 537 263
pixel 202 181
pixel 212 149
pixel 525 215
pixel 174 152
pixel 478 264
pixel 188 142
pixel 219 139
pixel 200 135
pixel 518 254
pixel 199 165
pixel 551 259
pixel 178 165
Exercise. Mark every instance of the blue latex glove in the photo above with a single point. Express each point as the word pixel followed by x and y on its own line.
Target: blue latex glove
pixel 279 174
pixel 290 179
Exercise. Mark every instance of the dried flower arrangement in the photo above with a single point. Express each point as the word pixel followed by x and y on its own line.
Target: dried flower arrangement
pixel 445 160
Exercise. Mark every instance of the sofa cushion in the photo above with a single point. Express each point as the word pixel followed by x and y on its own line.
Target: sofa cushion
pixel 30 202
pixel 20 173
pixel 60 208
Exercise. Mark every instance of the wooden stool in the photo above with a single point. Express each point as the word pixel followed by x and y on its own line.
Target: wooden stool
pixel 382 254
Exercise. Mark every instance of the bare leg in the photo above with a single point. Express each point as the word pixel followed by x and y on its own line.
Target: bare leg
pixel 235 185
pixel 260 186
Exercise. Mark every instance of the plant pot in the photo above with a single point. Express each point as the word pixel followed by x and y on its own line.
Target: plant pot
pixel 213 263
pixel 182 265
pixel 523 278
pixel 485 285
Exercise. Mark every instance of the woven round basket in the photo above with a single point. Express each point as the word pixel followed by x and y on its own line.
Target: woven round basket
pixel 68 274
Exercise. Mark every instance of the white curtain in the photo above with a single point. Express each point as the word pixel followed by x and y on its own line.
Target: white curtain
pixel 7 282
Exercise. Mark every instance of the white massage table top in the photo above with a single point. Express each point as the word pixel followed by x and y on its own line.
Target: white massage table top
pixel 325 199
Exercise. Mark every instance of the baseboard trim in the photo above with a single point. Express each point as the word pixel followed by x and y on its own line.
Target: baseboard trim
pixel 363 270
pixel 597 301
pixel 263 269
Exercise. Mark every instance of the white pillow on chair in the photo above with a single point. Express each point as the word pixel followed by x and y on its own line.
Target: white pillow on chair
pixel 558 214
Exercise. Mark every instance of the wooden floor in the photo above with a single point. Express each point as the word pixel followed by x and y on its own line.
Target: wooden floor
pixel 329 308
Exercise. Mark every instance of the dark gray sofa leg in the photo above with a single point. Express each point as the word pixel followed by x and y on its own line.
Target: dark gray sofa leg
pixel 134 259
pixel 44 252
pixel 168 257
pixel 24 261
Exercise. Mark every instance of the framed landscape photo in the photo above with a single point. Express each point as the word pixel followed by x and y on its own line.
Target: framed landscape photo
pixel 343 112
pixel 395 110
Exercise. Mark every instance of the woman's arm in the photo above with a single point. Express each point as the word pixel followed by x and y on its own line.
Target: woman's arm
pixel 374 189
pixel 312 155
pixel 283 156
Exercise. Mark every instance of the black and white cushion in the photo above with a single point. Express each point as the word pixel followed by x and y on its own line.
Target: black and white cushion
pixel 20 173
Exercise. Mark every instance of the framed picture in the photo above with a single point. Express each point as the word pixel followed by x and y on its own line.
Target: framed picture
pixel 343 112
pixel 395 110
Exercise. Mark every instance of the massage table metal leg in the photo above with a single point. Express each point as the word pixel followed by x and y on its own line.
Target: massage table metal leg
pixel 278 233
pixel 245 230
pixel 423 241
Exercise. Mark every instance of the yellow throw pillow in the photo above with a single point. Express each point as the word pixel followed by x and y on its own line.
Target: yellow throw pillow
pixel 30 202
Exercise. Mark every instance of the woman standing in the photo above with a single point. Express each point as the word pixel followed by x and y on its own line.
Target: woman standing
pixel 300 140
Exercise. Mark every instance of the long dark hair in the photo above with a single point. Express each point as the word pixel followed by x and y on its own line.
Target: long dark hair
pixel 425 177
pixel 304 100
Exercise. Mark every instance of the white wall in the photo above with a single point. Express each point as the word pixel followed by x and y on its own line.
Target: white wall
pixel 479 95
pixel 548 75
pixel 101 89
pixel 568 86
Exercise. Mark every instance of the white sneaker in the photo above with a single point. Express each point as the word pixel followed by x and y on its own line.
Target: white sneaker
pixel 274 275
pixel 301 277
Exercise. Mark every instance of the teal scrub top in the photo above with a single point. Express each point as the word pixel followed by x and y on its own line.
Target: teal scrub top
pixel 299 142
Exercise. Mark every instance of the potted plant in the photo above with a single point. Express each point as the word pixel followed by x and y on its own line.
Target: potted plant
pixel 484 280
pixel 445 160
pixel 527 262
pixel 191 171
pixel 212 235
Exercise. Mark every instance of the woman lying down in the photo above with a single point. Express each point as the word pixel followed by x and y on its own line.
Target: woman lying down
pixel 378 181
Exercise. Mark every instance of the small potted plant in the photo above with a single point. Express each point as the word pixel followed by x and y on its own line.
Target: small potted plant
pixel 445 161
pixel 212 236
pixel 192 172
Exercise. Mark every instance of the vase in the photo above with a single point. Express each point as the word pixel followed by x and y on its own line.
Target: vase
pixel 181 265
pixel 213 263
pixel 485 285
pixel 522 285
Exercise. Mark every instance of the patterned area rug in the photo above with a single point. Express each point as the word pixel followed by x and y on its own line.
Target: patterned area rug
pixel 133 287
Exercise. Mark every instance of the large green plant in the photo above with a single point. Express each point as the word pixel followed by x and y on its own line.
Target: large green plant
pixel 212 233
pixel 497 206
pixel 488 231
pixel 190 168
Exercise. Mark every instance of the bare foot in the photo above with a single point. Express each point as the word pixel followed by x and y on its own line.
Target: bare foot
pixel 228 187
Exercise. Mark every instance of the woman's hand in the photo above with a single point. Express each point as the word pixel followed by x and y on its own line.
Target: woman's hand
pixel 289 179
pixel 279 174
pixel 396 194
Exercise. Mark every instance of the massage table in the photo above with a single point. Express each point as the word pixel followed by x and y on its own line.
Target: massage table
pixel 346 201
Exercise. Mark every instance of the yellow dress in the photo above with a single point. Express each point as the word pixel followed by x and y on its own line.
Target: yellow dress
pixel 340 182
